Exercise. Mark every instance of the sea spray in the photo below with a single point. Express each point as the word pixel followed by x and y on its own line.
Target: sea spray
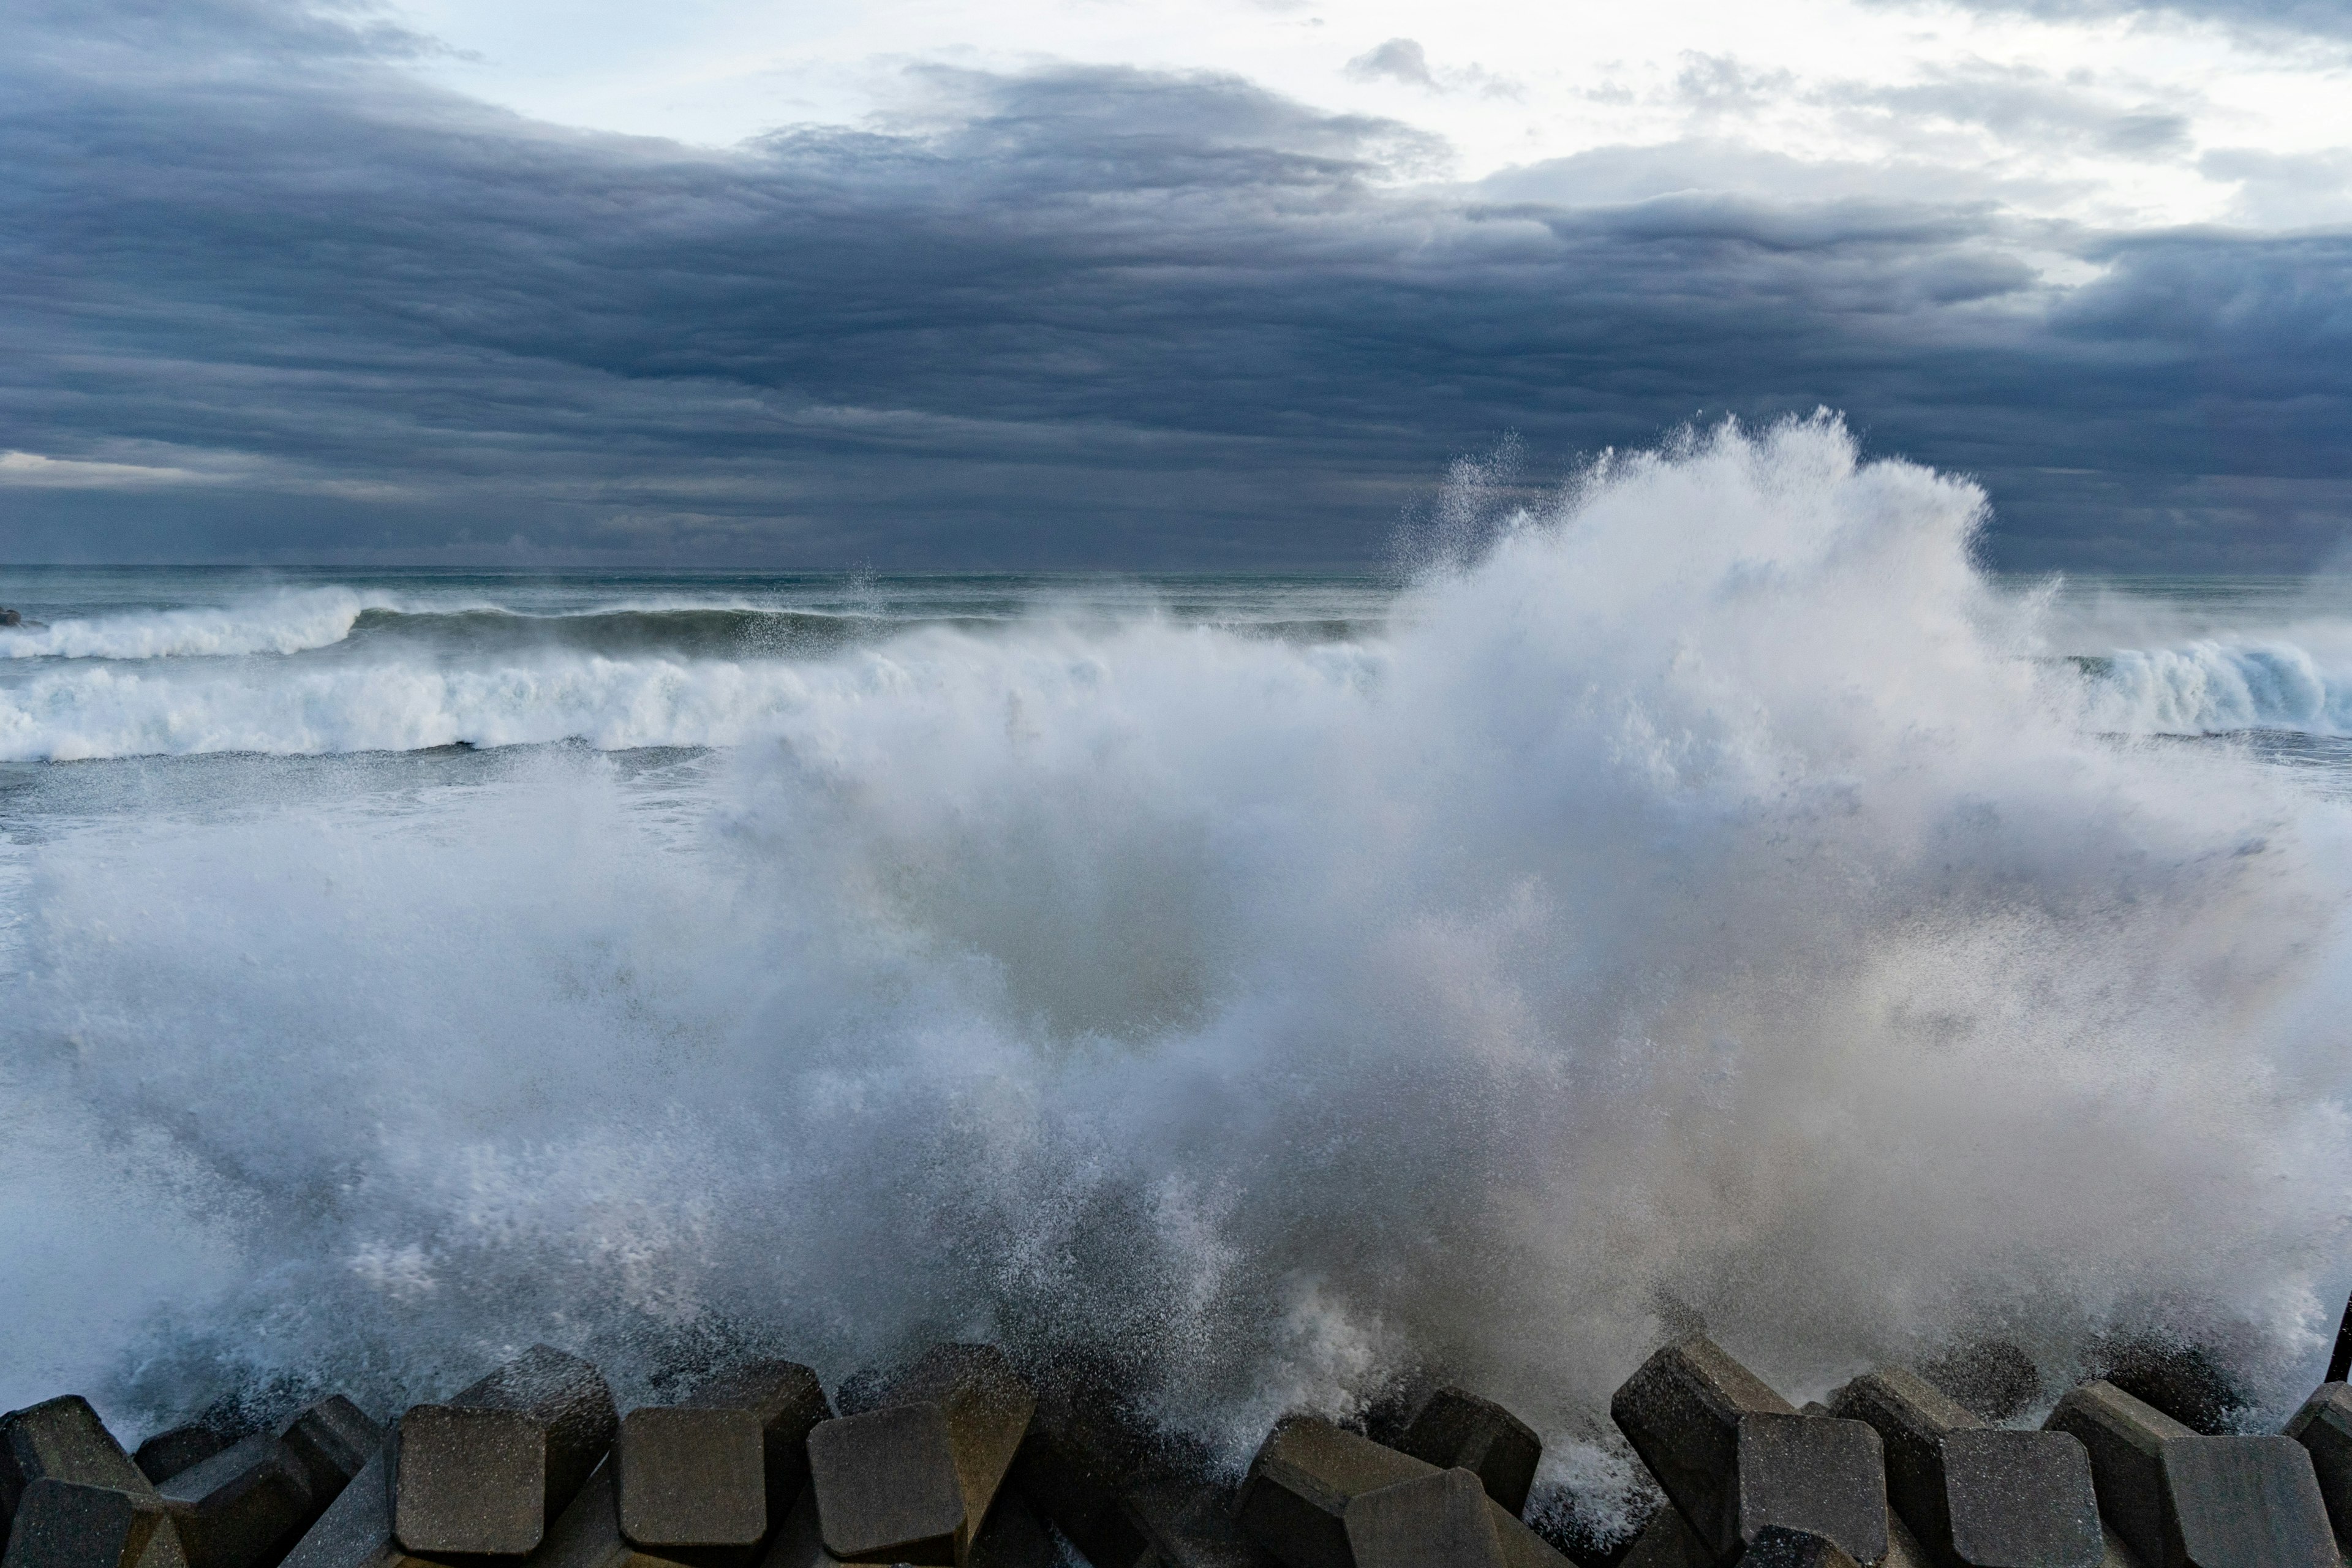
pixel 1713 891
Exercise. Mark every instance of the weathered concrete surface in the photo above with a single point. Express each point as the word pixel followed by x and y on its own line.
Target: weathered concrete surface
pixel 691 1480
pixel 2324 1428
pixel 1434 1518
pixel 70 1498
pixel 1295 1498
pixel 887 1489
pixel 1978 1498
pixel 488 1472
pixel 1455 1426
pixel 166 1454
pixel 1681 1412
pixel 787 1401
pixel 1811 1476
pixel 1192 1526
pixel 332 1441
pixel 241 1507
pixel 1077 1465
pixel 2181 1499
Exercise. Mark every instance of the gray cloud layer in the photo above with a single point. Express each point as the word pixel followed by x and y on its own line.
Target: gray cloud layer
pixel 303 306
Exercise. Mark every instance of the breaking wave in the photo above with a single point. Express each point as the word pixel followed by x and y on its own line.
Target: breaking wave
pixel 282 623
pixel 2210 687
pixel 1714 892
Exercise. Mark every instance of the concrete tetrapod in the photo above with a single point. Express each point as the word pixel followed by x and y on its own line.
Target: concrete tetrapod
pixel 356 1530
pixel 242 1506
pixel 485 1473
pixel 1295 1499
pixel 2181 1500
pixel 1812 1476
pixel 1681 1412
pixel 166 1454
pixel 1976 1497
pixel 332 1441
pixel 70 1498
pixel 709 1477
pixel 1192 1527
pixel 1442 1518
pixel 2324 1428
pixel 911 1480
pixel 1011 1537
pixel 1455 1426
pixel 1081 1459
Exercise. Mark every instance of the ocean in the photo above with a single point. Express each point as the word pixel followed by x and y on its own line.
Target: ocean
pixel 1714 892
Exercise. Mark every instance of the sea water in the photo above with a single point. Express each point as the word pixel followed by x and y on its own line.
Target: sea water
pixel 1711 891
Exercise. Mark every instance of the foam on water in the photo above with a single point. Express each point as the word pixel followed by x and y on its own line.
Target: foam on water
pixel 283 623
pixel 1715 889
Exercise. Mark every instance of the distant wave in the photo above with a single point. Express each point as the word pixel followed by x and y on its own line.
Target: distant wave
pixel 342 619
pixel 114 711
pixel 721 632
pixel 2209 688
pixel 292 621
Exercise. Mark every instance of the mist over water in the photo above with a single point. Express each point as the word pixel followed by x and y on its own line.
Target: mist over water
pixel 1716 889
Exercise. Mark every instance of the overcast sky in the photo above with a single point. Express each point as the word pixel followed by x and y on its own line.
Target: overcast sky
pixel 1087 283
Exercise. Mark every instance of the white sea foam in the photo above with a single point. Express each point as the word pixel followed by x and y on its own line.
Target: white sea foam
pixel 1714 889
pixel 290 622
pixel 2210 686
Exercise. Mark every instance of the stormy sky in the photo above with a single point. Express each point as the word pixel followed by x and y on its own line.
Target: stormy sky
pixel 1078 283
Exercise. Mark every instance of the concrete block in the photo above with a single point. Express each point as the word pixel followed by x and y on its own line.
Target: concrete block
pixel 70 1498
pixel 1454 1426
pixel 1994 1379
pixel 1295 1499
pixel 886 1487
pixel 1681 1412
pixel 166 1454
pixel 987 1406
pixel 486 1472
pixel 787 1401
pixel 1668 1541
pixel 1013 1536
pixel 1973 1495
pixel 567 1396
pixel 468 1481
pixel 2125 1440
pixel 2244 1502
pixel 691 1480
pixel 799 1541
pixel 355 1532
pixel 2324 1428
pixel 587 1534
pixel 1811 1476
pixel 1442 1518
pixel 62 1440
pixel 243 1507
pixel 2181 1499
pixel 1522 1547
pixel 911 1479
pixel 71 1524
pixel 1778 1547
pixel 2184 1381
pixel 2018 1499
pixel 1192 1526
pixel 332 1441
pixel 1076 1466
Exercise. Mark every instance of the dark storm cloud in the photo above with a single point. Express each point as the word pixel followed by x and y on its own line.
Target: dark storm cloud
pixel 272 296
